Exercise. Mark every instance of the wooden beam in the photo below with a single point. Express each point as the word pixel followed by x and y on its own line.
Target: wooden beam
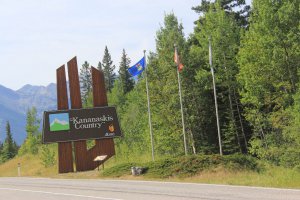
pixel 79 146
pixel 65 156
pixel 102 146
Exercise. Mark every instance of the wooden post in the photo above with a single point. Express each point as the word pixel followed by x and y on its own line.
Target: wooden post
pixel 79 146
pixel 102 146
pixel 65 157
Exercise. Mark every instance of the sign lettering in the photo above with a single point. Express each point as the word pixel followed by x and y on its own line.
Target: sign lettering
pixel 80 124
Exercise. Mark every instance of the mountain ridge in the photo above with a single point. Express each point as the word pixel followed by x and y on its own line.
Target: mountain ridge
pixel 15 103
pixel 62 122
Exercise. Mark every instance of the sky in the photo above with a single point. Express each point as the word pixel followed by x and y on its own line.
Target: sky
pixel 38 36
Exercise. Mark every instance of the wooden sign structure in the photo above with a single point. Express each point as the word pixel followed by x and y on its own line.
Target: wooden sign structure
pixel 80 124
pixel 84 158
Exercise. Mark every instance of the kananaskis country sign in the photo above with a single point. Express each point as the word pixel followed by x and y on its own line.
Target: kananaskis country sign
pixel 80 124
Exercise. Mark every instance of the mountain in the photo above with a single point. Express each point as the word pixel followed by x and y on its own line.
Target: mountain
pixel 41 97
pixel 14 105
pixel 17 122
pixel 57 121
pixel 8 98
pixel 58 125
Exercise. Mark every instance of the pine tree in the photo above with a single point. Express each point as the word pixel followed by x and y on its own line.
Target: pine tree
pixel 163 88
pixel 85 79
pixel 9 146
pixel 235 8
pixel 126 81
pixel 100 66
pixel 108 70
pixel 224 31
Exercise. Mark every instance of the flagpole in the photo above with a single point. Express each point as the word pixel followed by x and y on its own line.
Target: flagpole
pixel 181 106
pixel 149 112
pixel 215 94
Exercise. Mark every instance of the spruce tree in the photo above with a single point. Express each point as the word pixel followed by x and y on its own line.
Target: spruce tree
pixel 235 8
pixel 108 70
pixel 126 81
pixel 99 66
pixel 9 146
pixel 85 78
pixel 225 33
pixel 163 88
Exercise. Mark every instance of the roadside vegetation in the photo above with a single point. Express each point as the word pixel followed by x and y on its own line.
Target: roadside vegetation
pixel 256 58
pixel 214 169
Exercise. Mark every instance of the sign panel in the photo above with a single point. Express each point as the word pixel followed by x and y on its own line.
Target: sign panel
pixel 80 124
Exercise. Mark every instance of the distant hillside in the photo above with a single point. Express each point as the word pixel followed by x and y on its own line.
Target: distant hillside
pixel 41 97
pixel 59 127
pixel 14 104
pixel 17 122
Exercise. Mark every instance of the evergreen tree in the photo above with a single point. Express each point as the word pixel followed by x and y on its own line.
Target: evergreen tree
pixel 235 8
pixel 224 31
pixel 9 146
pixel 100 66
pixel 163 88
pixel 125 79
pixel 269 60
pixel 108 70
pixel 1 147
pixel 85 79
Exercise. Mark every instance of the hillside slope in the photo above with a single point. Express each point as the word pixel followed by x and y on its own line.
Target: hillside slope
pixel 232 170
pixel 14 104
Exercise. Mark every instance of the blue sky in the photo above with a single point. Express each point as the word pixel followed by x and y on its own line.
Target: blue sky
pixel 38 36
pixel 60 117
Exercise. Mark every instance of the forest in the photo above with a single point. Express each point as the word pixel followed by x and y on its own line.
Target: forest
pixel 255 58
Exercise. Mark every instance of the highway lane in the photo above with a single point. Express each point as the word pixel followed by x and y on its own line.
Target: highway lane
pixel 84 189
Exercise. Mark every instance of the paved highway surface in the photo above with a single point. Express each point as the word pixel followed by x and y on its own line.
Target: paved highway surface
pixel 78 189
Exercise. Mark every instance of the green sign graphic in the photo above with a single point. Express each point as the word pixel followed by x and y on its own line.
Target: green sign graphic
pixel 80 124
pixel 59 122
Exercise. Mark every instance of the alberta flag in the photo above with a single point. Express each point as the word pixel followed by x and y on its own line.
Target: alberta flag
pixel 137 68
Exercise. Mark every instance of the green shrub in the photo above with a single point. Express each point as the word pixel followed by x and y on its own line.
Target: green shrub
pixel 290 158
pixel 119 170
pixel 47 156
pixel 186 166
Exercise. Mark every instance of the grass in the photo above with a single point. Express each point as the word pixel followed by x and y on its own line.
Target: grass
pixel 59 127
pixel 231 170
pixel 30 166
pixel 271 177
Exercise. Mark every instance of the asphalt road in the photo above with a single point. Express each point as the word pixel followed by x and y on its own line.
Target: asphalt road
pixel 78 189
